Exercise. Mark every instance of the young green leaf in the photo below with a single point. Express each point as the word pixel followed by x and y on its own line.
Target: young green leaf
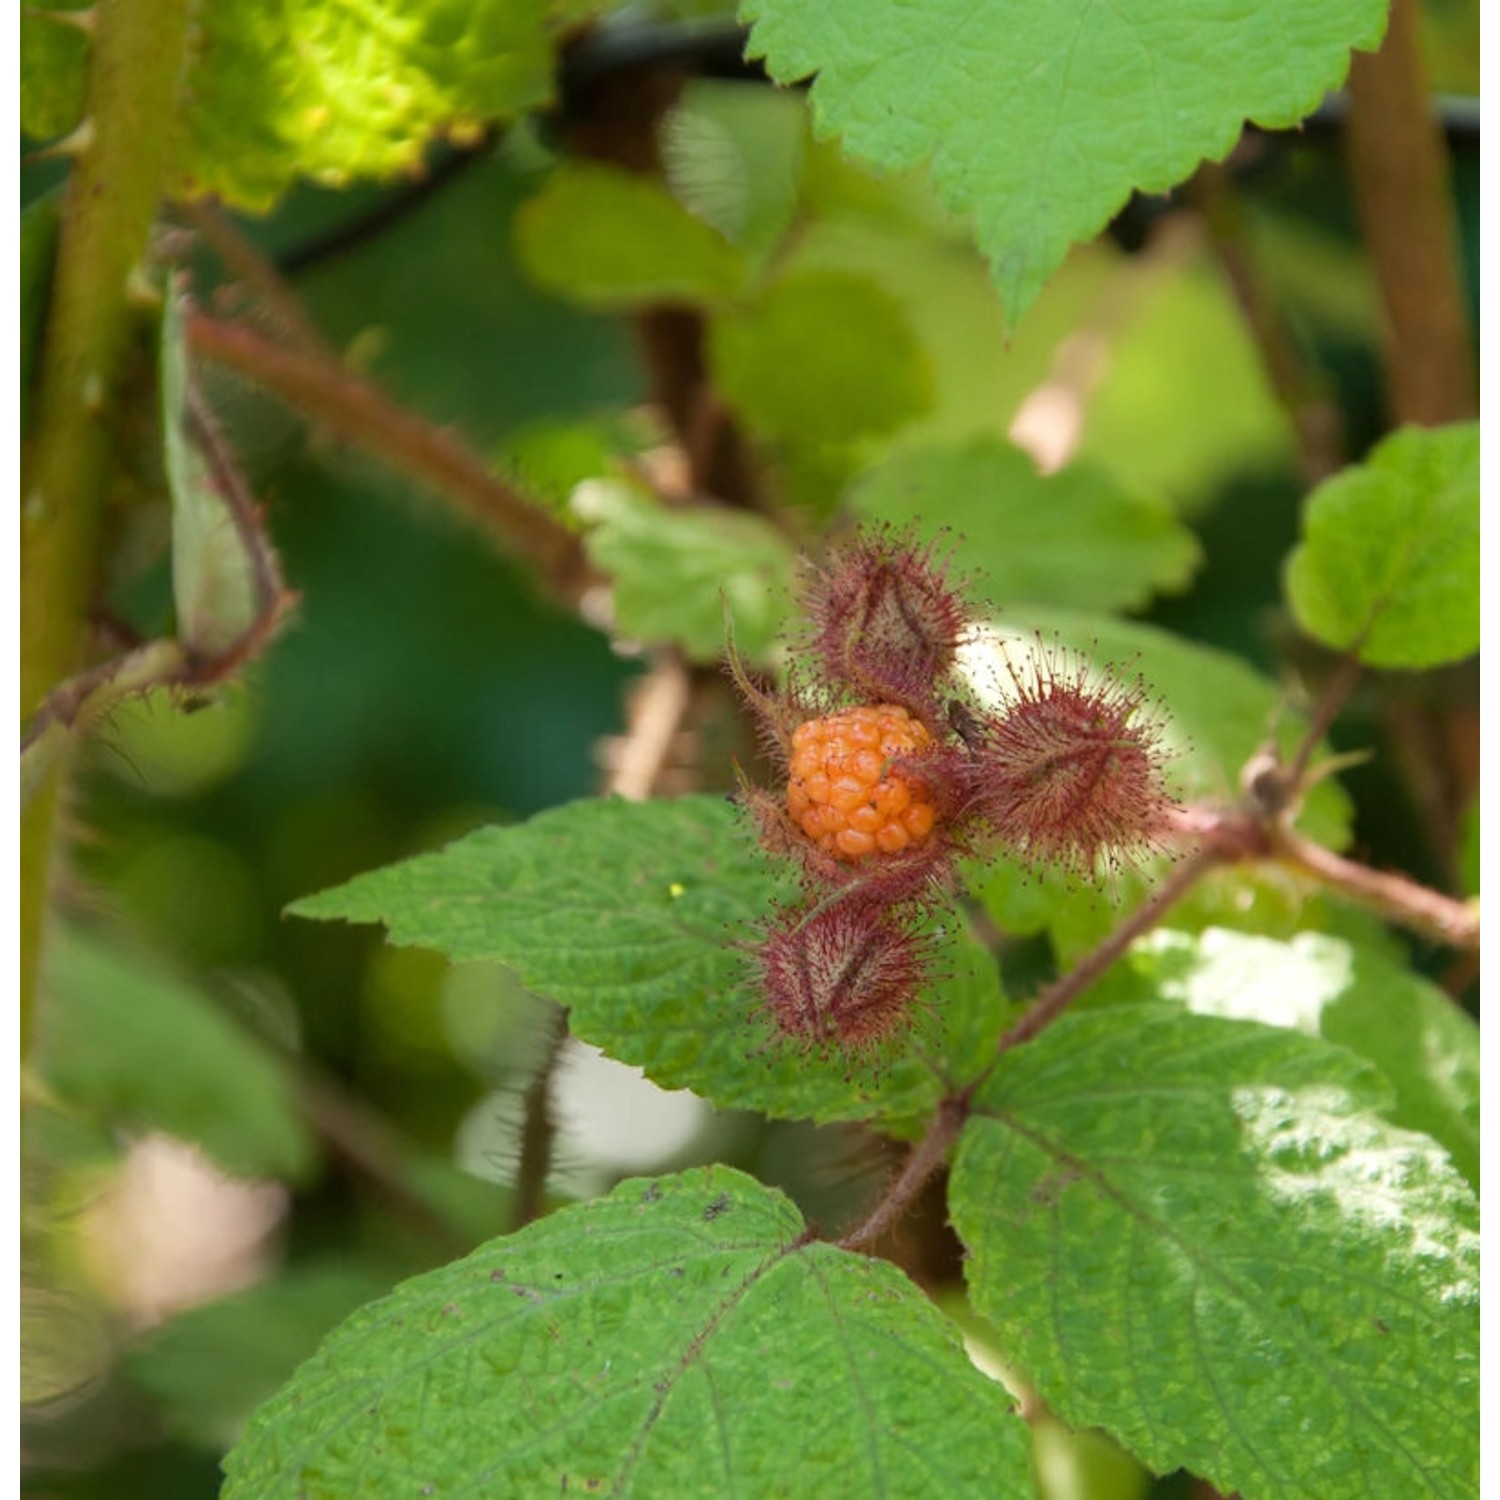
pixel 1389 563
pixel 1041 119
pixel 680 1337
pixel 820 357
pixel 273 93
pixel 127 1040
pixel 1426 1047
pixel 638 917
pixel 1075 538
pixel 1198 1234
pixel 677 569
pixel 732 152
pixel 613 239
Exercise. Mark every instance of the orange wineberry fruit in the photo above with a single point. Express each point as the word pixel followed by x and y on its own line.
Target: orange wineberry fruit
pixel 846 792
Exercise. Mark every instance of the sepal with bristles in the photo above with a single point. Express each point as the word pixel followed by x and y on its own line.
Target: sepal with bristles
pixel 884 622
pixel 849 974
pixel 1068 772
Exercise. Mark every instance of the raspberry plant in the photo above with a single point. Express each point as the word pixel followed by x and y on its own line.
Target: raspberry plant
pixel 944 824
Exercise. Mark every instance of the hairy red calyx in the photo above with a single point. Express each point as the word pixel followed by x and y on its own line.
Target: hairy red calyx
pixel 883 620
pixel 1069 772
pixel 894 768
pixel 846 974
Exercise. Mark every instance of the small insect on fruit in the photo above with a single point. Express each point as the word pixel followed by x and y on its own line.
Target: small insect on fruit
pixel 851 789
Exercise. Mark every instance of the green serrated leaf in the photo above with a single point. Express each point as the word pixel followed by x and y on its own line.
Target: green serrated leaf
pixel 635 916
pixel 677 569
pixel 612 239
pixel 732 152
pixel 211 1366
pixel 677 1338
pixel 820 357
pixel 1041 119
pixel 1197 1234
pixel 1426 1047
pixel 330 92
pixel 1075 538
pixel 1217 709
pixel 354 90
pixel 216 583
pixel 1389 563
pixel 125 1039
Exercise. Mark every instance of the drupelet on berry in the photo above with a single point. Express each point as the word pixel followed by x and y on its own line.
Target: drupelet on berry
pixel 854 788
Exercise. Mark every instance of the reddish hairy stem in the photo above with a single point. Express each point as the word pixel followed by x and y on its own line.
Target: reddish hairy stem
pixel 538 1131
pixel 257 274
pixel 354 410
pixel 926 1157
pixel 1394 896
pixel 1063 991
pixel 1333 697
pixel 1400 175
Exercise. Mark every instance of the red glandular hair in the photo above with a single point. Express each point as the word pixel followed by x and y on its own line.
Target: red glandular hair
pixel 883 622
pixel 845 974
pixel 1069 771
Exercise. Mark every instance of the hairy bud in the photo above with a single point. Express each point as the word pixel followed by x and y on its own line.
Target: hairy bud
pixel 885 622
pixel 1070 771
pixel 847 974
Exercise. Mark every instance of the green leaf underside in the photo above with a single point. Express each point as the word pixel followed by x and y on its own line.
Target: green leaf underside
pixel 637 917
pixel 1426 1047
pixel 1041 119
pixel 1196 1233
pixel 732 153
pixel 820 357
pixel 1075 538
pixel 612 239
pixel 331 92
pixel 677 569
pixel 1217 709
pixel 146 1051
pixel 215 587
pixel 673 1339
pixel 1389 564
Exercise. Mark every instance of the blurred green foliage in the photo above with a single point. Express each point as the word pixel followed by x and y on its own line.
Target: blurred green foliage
pixel 426 687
